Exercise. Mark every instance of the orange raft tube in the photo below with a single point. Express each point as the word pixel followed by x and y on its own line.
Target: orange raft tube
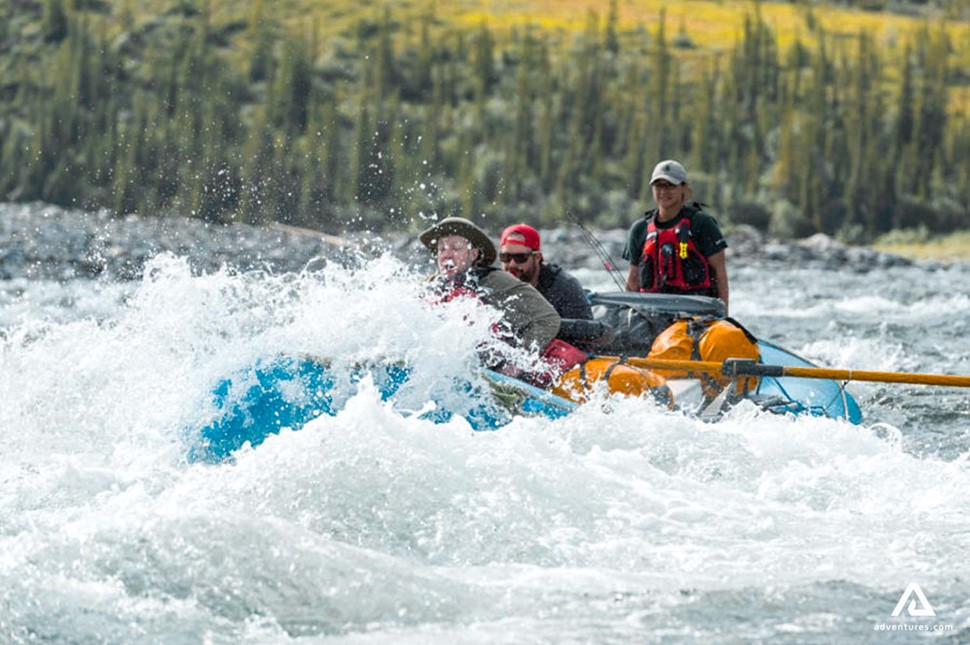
pixel 577 383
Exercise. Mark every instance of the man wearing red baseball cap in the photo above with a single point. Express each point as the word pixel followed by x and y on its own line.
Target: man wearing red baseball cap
pixel 520 254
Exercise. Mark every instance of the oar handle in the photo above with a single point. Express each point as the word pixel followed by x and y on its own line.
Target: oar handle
pixel 747 367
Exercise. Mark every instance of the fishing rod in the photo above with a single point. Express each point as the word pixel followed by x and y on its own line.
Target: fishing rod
pixel 601 252
pixel 734 367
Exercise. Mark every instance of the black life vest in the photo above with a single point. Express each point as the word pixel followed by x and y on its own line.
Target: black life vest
pixel 671 262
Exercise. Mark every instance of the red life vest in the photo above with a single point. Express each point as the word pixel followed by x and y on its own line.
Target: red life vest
pixel 452 292
pixel 464 285
pixel 671 261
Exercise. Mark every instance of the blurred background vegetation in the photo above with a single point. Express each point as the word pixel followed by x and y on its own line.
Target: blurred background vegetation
pixel 851 119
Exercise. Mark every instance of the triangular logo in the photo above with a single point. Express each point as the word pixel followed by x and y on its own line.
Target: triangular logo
pixel 924 608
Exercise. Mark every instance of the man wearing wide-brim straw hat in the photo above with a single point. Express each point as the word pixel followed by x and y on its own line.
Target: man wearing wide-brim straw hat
pixel 464 255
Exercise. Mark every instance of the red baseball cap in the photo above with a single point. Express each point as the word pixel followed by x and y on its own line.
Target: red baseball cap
pixel 529 236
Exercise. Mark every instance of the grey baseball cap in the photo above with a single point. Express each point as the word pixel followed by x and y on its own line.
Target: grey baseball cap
pixel 670 170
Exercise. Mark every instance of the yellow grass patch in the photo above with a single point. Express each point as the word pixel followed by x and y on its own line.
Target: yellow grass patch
pixel 712 23
pixel 952 247
pixel 712 26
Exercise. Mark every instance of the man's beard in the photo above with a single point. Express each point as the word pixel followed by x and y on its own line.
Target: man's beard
pixel 525 274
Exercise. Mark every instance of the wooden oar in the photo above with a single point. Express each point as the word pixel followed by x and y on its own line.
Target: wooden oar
pixel 746 367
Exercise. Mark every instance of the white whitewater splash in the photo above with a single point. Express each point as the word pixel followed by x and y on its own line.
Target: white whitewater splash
pixel 622 521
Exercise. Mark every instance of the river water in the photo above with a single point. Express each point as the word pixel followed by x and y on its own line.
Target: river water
pixel 620 523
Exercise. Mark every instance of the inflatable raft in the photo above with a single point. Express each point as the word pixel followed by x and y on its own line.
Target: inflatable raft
pixel 289 391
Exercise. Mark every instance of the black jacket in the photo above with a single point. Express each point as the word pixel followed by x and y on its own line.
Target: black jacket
pixel 564 292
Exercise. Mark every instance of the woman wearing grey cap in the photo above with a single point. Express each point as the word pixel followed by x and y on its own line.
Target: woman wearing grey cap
pixel 676 247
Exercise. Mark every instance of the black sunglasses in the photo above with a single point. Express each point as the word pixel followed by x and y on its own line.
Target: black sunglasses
pixel 518 258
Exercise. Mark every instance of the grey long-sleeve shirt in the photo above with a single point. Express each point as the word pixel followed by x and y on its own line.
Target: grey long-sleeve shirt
pixel 530 317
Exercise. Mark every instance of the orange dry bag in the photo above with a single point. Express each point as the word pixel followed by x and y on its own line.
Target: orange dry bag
pixel 620 378
pixel 707 339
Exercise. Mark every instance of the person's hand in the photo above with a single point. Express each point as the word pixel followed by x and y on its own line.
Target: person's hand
pixel 511 370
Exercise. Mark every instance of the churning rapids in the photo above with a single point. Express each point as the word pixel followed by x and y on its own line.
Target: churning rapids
pixel 620 523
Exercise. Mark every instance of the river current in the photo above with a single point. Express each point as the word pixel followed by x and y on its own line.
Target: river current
pixel 620 523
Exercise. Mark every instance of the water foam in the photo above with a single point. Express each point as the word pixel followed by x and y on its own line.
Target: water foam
pixel 618 518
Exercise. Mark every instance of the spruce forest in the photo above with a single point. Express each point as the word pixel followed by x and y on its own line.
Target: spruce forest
pixel 371 116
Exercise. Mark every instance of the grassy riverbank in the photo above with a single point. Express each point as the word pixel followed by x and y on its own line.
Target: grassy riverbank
pixel 793 118
pixel 918 245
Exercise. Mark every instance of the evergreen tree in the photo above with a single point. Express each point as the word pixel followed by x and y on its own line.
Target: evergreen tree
pixel 611 40
pixel 292 91
pixel 261 62
pixel 54 25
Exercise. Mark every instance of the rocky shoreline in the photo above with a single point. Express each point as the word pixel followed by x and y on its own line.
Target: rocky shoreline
pixel 44 242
